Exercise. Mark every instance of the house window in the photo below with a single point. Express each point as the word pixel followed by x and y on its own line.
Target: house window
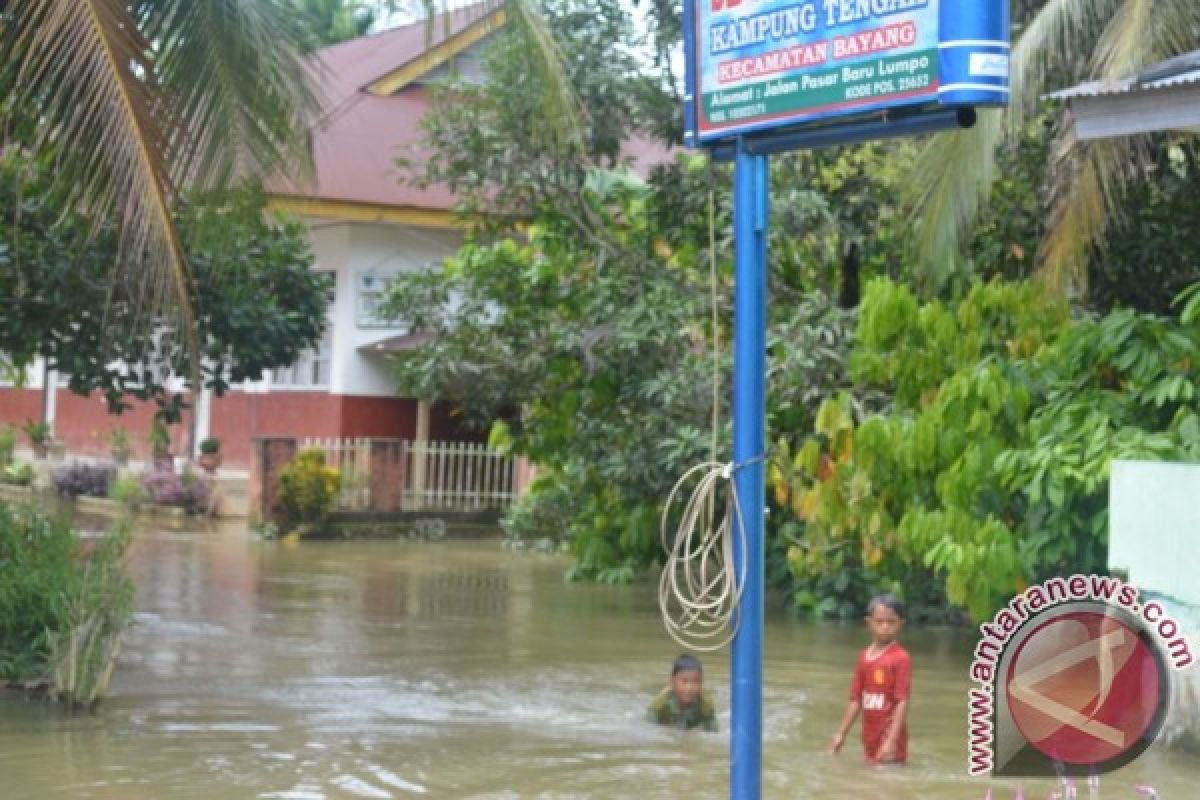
pixel 371 290
pixel 313 368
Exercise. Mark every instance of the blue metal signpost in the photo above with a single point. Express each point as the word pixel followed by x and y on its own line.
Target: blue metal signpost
pixel 750 198
pixel 767 76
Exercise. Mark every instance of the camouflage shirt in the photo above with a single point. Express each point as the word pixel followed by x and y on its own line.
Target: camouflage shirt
pixel 665 710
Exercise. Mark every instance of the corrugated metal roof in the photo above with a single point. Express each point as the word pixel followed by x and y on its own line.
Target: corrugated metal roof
pixel 1177 71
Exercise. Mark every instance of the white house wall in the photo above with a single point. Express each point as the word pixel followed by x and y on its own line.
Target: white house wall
pixel 353 250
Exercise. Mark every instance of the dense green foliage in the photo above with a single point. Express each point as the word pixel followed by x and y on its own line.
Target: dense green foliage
pixel 950 450
pixel 591 349
pixel 1152 252
pixel 326 22
pixel 258 303
pixel 491 143
pixel 992 469
pixel 63 605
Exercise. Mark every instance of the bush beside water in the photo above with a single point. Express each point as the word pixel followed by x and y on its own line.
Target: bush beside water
pixel 84 480
pixel 8 445
pixel 307 489
pixel 63 605
pixel 185 490
pixel 17 474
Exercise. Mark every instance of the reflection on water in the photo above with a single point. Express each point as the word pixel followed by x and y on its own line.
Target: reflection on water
pixel 456 670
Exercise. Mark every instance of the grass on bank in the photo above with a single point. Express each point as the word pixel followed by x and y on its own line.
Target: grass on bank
pixel 64 602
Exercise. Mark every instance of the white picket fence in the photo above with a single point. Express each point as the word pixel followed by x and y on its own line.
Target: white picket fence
pixel 350 457
pixel 456 476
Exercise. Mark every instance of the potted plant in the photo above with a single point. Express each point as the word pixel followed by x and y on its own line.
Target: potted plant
pixel 120 446
pixel 210 454
pixel 160 444
pixel 39 436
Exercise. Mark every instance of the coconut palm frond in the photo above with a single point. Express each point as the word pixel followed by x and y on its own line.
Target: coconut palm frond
pixel 1122 49
pixel 83 65
pixel 1088 180
pixel 953 174
pixel 237 75
pixel 139 99
pixel 1056 40
pixel 948 200
pixel 1174 29
pixel 562 110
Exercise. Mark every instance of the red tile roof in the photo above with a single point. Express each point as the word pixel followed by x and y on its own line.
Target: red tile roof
pixel 360 134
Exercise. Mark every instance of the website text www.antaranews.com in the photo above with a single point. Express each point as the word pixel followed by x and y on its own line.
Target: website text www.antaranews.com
pixel 1034 600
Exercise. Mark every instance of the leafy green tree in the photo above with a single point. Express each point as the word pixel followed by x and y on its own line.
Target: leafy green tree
pixel 991 471
pixel 492 143
pixel 331 21
pixel 138 100
pixel 257 301
pixel 592 353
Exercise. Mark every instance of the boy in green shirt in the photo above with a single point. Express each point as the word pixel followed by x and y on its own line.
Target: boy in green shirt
pixel 684 704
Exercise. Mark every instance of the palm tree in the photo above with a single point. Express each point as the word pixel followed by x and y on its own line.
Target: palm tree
pixel 137 100
pixel 1066 39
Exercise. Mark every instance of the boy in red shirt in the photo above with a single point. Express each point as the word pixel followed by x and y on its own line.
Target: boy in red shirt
pixel 882 678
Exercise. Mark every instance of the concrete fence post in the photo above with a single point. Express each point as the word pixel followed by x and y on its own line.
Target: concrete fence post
pixel 271 455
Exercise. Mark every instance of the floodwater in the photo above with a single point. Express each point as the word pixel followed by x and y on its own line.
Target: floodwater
pixel 460 670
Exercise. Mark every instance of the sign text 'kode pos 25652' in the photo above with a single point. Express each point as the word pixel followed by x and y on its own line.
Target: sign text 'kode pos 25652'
pixel 754 65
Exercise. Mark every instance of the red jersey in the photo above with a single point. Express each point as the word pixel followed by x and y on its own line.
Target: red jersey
pixel 880 684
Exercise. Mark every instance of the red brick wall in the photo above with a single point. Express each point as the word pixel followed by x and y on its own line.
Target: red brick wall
pixel 84 422
pixel 237 419
pixel 18 405
pixel 379 417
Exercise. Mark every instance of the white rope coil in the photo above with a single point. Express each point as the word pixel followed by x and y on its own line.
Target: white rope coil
pixel 699 592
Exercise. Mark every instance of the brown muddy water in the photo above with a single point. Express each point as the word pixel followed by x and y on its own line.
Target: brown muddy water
pixel 460 670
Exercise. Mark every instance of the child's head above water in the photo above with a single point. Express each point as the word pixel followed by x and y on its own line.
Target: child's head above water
pixel 885 618
pixel 687 679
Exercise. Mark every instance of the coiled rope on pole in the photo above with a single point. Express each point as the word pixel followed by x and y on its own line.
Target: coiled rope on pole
pixel 699 592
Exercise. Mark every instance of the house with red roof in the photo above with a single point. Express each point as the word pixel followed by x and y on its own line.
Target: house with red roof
pixel 366 225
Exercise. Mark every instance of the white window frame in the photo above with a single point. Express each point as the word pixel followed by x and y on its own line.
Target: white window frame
pixel 369 288
pixel 313 369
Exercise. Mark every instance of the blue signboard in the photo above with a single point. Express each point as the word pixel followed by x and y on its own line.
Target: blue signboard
pixel 759 65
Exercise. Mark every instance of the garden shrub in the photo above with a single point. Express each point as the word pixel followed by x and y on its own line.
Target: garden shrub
pixel 127 491
pixel 307 489
pixel 88 480
pixel 187 490
pixel 17 474
pixel 63 605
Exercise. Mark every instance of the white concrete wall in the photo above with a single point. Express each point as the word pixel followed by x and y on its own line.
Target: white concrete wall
pixel 1154 526
pixel 353 250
